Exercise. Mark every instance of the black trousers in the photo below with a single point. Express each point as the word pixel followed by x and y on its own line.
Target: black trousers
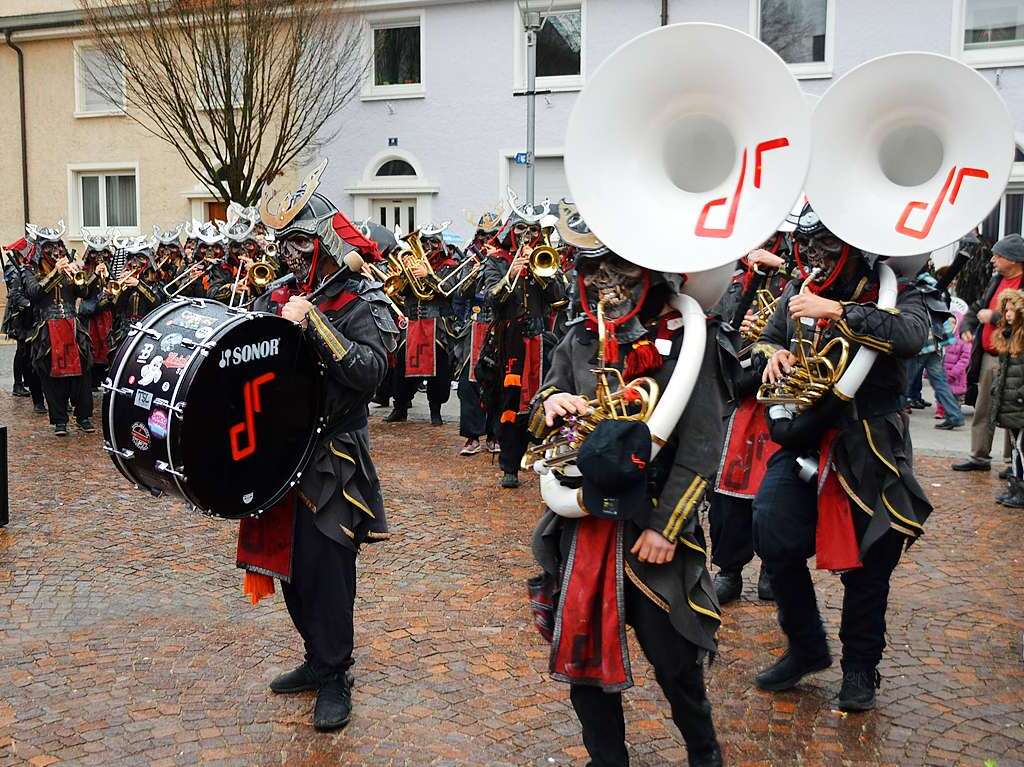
pixel 321 596
pixel 785 520
pixel 513 437
pixel 439 388
pixel 679 673
pixel 60 391
pixel 25 374
pixel 474 419
pixel 732 536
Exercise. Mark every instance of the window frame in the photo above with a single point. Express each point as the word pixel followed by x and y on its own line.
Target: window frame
pixel 814 70
pixel 80 87
pixel 75 201
pixel 984 58
pixel 394 20
pixel 559 83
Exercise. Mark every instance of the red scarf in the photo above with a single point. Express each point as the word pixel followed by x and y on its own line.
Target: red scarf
pixel 611 349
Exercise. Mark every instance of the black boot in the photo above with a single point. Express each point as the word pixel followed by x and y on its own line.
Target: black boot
pixel 297 680
pixel 788 670
pixel 858 690
pixel 764 586
pixel 435 416
pixel 333 704
pixel 1007 494
pixel 20 391
pixel 397 415
pixel 86 425
pixel 511 480
pixel 728 586
pixel 61 430
pixel 1014 497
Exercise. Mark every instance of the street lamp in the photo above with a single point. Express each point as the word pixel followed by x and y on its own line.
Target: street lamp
pixel 533 21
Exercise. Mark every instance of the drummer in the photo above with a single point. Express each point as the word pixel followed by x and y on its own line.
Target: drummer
pixel 338 505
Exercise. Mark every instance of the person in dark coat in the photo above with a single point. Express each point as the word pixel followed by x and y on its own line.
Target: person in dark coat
pixel 1007 394
pixel 636 556
pixel 337 506
pixel 841 487
pixel 978 328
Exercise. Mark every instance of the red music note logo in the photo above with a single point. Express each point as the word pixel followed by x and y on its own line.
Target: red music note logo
pixel 919 234
pixel 251 393
pixel 702 229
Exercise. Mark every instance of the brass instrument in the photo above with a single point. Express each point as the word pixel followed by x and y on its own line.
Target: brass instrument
pixel 55 277
pixel 460 275
pixel 191 279
pixel 765 304
pixel 544 264
pixel 116 287
pixel 614 400
pixel 424 288
pixel 253 276
pixel 816 371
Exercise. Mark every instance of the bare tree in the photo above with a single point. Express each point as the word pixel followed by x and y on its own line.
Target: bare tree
pixel 789 29
pixel 240 88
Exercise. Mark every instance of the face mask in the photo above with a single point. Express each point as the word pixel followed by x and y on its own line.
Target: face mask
pixel 297 255
pixel 821 252
pixel 614 281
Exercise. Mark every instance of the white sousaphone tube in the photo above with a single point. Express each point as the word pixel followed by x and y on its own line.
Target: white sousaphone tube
pixel 859 367
pixel 565 501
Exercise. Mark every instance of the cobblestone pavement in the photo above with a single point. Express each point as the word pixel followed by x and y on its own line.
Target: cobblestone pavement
pixel 124 638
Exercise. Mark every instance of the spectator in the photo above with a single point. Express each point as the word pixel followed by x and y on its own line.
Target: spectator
pixel 956 360
pixel 1008 388
pixel 978 329
pixel 930 358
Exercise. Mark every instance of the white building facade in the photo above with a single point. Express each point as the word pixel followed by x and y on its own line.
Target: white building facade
pixel 435 132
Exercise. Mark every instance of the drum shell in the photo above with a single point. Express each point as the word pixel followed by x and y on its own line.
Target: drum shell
pixel 190 391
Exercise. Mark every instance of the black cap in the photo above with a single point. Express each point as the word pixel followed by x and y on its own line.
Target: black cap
pixel 613 461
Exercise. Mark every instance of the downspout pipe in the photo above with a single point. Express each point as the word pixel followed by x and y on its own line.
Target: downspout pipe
pixel 664 13
pixel 24 140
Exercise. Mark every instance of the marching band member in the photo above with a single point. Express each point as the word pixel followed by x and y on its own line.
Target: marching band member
pixel 61 351
pixel 747 445
pixel 137 292
pixel 95 309
pixel 476 420
pixel 311 539
pixel 429 343
pixel 863 506
pixel 19 322
pixel 170 256
pixel 638 557
pixel 522 303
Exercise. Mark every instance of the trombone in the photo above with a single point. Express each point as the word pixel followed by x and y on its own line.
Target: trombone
pixel 543 265
pixel 192 277
pixel 258 273
pixel 475 265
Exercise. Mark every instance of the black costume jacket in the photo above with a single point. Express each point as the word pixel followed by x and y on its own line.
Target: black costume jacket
pixel 131 305
pixel 678 480
pixel 53 297
pixel 872 453
pixel 353 331
pixel 18 322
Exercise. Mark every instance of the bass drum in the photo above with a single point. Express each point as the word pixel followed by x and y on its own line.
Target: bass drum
pixel 215 405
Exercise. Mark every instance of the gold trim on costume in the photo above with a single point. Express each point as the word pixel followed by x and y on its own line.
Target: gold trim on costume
pixel 683 506
pixel 317 322
pixel 346 456
pixel 871 442
pixel 347 532
pixel 357 504
pixel 645 589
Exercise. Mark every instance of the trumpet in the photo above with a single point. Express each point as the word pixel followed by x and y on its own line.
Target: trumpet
pixel 56 276
pixel 815 371
pixel 116 287
pixel 543 265
pixel 614 400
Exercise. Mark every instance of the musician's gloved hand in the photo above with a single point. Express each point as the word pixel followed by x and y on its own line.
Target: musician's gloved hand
pixel 296 310
pixel 815 307
pixel 521 261
pixel 779 365
pixel 562 404
pixel 653 547
pixel 748 320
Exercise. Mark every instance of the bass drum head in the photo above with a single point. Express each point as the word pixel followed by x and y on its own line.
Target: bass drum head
pixel 250 418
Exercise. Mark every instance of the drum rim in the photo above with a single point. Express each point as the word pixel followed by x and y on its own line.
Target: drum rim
pixel 310 449
pixel 126 353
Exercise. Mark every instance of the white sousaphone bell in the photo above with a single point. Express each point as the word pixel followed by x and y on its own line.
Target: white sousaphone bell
pixel 680 161
pixel 910 151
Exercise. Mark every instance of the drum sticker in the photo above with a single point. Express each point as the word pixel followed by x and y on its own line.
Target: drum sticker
pixel 170 341
pixel 203 333
pixel 143 399
pixel 259 350
pixel 192 321
pixel 150 372
pixel 144 353
pixel 158 423
pixel 175 361
pixel 140 436
pixel 165 386
pixel 247 498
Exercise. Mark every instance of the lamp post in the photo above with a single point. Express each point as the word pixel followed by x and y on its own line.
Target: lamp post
pixel 533 21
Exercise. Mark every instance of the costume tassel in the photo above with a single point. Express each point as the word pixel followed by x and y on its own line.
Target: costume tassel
pixel 642 359
pixel 611 344
pixel 257 585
